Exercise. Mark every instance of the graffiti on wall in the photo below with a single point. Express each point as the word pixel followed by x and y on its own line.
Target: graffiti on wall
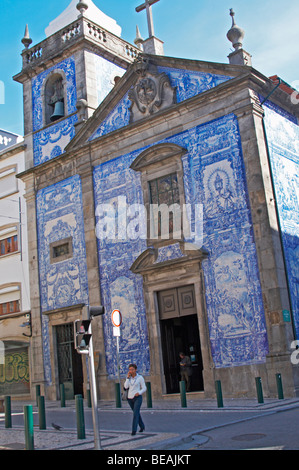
pixel 15 371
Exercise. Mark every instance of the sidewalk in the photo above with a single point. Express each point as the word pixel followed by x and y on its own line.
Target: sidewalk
pixel 229 404
pixel 50 439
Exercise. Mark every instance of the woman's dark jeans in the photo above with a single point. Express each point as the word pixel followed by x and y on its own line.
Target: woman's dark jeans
pixel 135 404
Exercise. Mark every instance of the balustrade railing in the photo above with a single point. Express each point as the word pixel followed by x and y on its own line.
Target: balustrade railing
pixel 78 29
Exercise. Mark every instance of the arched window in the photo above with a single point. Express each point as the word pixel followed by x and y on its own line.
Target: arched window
pixel 54 98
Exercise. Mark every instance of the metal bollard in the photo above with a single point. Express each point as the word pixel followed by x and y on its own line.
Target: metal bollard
pixel 117 395
pixel 80 417
pixel 7 410
pixel 259 389
pixel 88 393
pixel 28 421
pixel 42 412
pixel 279 387
pixel 37 393
pixel 219 393
pixel 62 396
pixel 149 395
pixel 183 394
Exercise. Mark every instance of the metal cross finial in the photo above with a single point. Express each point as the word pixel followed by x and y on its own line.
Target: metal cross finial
pixel 148 6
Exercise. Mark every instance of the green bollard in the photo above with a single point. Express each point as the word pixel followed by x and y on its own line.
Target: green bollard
pixel 117 395
pixel 259 389
pixel 279 387
pixel 80 417
pixel 88 398
pixel 62 396
pixel 7 409
pixel 37 393
pixel 219 393
pixel 149 395
pixel 28 421
pixel 42 412
pixel 183 394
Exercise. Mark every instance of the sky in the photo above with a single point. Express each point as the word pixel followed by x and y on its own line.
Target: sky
pixel 191 29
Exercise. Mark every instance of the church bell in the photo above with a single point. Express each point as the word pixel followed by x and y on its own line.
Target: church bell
pixel 58 111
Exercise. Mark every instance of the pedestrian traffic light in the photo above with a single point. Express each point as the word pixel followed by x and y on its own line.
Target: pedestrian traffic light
pixel 82 335
pixel 96 311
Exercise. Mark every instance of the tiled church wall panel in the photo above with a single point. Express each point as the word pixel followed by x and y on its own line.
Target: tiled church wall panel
pixel 214 176
pixel 62 283
pixel 283 143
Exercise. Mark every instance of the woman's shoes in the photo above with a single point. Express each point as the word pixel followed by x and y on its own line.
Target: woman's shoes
pixel 133 433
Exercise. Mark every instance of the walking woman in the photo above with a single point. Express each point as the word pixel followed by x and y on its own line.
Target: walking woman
pixel 136 387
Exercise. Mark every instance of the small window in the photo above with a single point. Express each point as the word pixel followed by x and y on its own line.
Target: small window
pixel 9 245
pixel 165 190
pixel 61 250
pixel 10 307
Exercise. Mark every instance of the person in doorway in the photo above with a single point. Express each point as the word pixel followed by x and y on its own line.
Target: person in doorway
pixel 186 370
pixel 136 387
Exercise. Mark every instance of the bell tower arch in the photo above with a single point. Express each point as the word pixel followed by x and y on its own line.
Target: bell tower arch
pixel 54 97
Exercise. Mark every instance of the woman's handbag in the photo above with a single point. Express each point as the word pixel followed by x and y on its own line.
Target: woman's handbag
pixel 124 395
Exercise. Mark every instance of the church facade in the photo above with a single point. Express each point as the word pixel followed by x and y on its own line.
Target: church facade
pixel 115 134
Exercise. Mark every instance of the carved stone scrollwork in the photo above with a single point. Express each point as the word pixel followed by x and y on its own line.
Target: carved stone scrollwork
pixel 152 93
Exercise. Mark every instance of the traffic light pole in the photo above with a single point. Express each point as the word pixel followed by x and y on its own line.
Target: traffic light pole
pixel 84 345
pixel 93 393
pixel 94 400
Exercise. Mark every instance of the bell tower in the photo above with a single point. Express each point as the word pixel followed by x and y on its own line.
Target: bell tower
pixel 67 75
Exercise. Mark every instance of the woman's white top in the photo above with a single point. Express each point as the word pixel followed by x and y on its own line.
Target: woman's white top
pixel 135 385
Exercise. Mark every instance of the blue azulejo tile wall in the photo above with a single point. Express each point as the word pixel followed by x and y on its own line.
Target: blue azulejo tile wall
pixel 64 283
pixel 60 217
pixel 214 176
pixel 283 143
pixel 51 141
pixel 120 288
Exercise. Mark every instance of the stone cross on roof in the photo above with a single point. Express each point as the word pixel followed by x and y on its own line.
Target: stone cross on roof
pixel 148 6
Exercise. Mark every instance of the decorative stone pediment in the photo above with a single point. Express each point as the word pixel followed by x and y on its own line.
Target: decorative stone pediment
pixel 152 92
pixel 157 154
pixel 167 256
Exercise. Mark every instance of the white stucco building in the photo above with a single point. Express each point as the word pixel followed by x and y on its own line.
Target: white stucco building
pixel 15 329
